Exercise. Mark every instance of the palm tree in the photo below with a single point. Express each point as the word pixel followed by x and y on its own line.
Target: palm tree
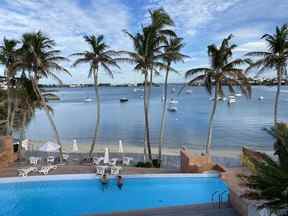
pixel 222 70
pixel 268 181
pixel 171 55
pixel 41 60
pixel 275 58
pixel 146 58
pixel 8 58
pixel 99 55
pixel 27 106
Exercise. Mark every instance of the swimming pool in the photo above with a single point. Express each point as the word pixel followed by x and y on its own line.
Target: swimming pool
pixel 83 194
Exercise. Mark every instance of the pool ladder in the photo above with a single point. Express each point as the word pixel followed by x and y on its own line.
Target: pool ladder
pixel 220 197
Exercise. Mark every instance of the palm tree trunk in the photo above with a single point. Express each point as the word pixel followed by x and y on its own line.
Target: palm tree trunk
pixel 146 117
pixel 279 80
pixel 51 121
pixel 163 115
pixel 8 123
pixel 22 136
pixel 210 124
pixel 12 115
pixel 96 132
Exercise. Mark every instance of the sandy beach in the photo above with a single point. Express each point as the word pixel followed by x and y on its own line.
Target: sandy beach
pixel 132 149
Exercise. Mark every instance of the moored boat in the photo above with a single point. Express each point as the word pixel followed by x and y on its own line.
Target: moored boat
pixel 123 100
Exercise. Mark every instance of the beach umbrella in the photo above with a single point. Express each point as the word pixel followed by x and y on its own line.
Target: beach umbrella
pixel 120 146
pixel 75 146
pixel 106 156
pixel 49 147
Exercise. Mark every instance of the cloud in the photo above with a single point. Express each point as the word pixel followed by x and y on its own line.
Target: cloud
pixel 192 15
pixel 66 22
pixel 251 46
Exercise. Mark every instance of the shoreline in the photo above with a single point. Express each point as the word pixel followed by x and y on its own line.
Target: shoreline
pixel 133 149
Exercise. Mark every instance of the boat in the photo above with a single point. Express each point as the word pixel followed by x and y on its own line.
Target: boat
pixel 238 94
pixel 188 91
pixel 123 100
pixel 261 98
pixel 172 108
pixel 87 99
pixel 138 90
pixel 173 101
pixel 231 100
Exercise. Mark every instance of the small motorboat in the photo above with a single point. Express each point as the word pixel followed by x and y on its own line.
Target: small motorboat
pixel 173 101
pixel 138 90
pixel 188 91
pixel 238 94
pixel 261 98
pixel 123 100
pixel 87 100
pixel 172 108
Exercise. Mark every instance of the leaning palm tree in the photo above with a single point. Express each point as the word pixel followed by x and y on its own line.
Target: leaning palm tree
pixel 99 55
pixel 171 54
pixel 41 60
pixel 28 103
pixel 8 58
pixel 222 70
pixel 275 58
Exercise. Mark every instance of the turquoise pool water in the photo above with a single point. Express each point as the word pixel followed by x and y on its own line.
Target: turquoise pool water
pixel 86 196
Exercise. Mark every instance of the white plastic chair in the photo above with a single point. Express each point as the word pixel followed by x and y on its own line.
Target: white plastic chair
pixel 97 160
pixel 33 160
pixel 50 159
pixel 115 170
pixel 100 170
pixel 126 161
pixel 65 157
pixel 113 161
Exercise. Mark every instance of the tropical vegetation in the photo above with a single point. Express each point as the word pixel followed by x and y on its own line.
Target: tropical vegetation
pixel 268 181
pixel 156 48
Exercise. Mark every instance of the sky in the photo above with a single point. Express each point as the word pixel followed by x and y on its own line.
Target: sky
pixel 199 22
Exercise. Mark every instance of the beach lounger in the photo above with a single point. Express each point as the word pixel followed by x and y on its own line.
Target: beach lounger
pixel 115 170
pixel 100 170
pixel 46 169
pixel 126 161
pixel 25 171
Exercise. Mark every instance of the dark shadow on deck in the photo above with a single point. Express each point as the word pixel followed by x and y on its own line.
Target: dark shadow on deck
pixel 192 210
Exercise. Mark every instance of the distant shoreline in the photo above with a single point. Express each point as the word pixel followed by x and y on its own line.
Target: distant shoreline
pixel 138 85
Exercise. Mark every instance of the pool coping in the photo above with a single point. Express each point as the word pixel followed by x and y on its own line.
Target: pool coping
pixel 73 177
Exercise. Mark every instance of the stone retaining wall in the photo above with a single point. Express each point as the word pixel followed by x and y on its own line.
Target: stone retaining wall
pixel 7 155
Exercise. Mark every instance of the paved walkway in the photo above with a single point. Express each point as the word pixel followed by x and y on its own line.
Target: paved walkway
pixel 193 210
pixel 81 169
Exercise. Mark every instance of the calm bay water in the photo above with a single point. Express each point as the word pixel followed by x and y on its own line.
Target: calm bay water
pixel 240 124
